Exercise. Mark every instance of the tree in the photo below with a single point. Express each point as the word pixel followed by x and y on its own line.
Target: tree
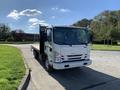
pixel 83 23
pixel 106 25
pixel 5 32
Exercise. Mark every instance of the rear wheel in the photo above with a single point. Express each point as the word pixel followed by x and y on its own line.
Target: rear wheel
pixel 35 54
pixel 48 67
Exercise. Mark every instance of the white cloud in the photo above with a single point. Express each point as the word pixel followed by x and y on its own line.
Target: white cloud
pixel 27 12
pixel 64 10
pixel 30 12
pixel 34 22
pixel 60 9
pixel 14 14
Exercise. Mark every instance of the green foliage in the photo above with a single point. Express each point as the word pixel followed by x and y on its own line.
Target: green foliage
pixel 11 68
pixel 83 23
pixel 5 34
pixel 105 26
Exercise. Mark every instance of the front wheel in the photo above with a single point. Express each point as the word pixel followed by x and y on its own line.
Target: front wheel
pixel 35 54
pixel 48 67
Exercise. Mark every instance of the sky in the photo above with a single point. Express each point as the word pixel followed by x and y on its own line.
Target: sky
pixel 27 14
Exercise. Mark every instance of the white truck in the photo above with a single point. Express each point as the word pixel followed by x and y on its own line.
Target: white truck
pixel 63 47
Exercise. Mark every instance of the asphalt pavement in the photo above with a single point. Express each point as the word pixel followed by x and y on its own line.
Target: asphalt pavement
pixel 103 74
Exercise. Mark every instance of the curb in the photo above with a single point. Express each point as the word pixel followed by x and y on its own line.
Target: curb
pixel 26 79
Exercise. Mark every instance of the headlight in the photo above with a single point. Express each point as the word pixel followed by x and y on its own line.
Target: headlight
pixel 58 57
pixel 56 54
pixel 58 60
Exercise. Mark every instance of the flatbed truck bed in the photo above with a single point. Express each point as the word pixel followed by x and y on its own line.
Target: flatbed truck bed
pixel 35 46
pixel 36 50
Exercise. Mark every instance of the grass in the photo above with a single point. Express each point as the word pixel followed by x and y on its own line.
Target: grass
pixel 18 42
pixel 106 47
pixel 12 68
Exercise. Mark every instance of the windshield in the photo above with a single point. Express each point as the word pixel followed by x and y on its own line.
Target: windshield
pixel 69 36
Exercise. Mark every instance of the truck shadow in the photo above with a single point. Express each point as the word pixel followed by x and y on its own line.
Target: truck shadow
pixel 80 78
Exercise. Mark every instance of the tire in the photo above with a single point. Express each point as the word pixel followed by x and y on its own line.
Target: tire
pixel 48 67
pixel 35 54
pixel 43 57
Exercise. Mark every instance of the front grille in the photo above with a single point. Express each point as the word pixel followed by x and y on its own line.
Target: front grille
pixel 75 60
pixel 74 57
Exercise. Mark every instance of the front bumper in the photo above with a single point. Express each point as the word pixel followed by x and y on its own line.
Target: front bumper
pixel 66 65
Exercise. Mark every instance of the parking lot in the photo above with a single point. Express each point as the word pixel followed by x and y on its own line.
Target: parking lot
pixel 103 74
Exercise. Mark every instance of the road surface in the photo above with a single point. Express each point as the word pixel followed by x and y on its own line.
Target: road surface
pixel 103 74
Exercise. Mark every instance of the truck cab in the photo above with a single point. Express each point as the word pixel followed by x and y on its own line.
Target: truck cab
pixel 65 47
